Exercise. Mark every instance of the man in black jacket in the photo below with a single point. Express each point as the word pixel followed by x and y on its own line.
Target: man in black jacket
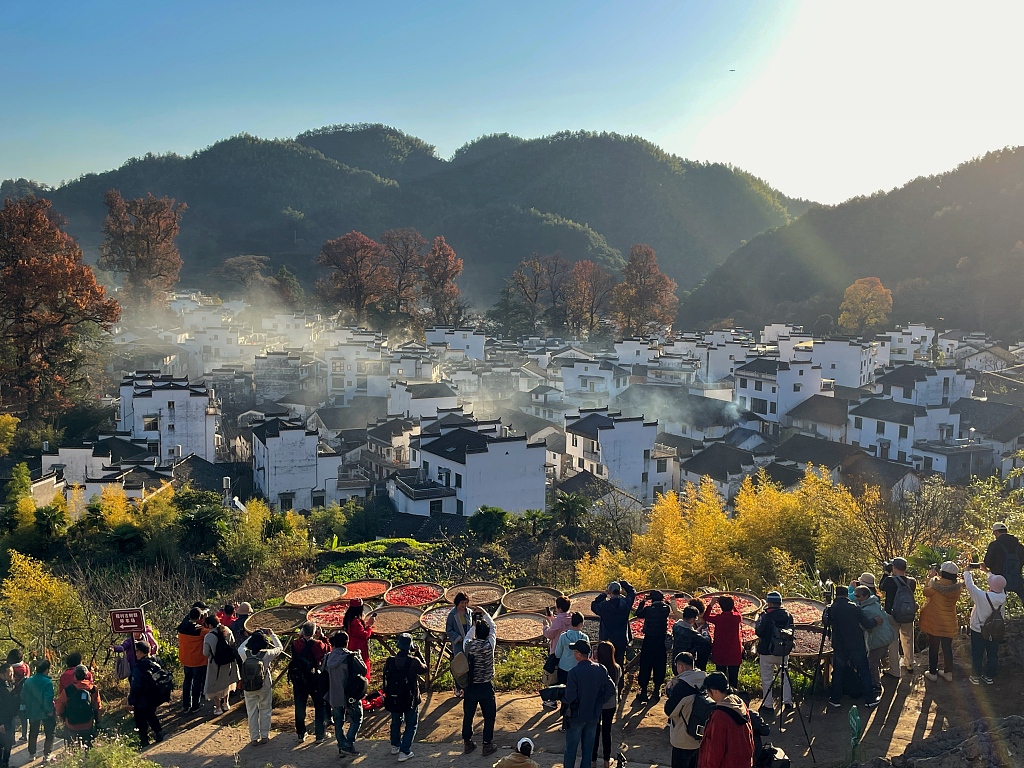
pixel 845 623
pixel 686 638
pixel 1003 545
pixel 9 701
pixel 613 608
pixel 774 616
pixel 653 655
pixel 142 694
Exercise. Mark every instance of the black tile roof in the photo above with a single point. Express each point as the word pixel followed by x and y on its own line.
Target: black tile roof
pixel 906 375
pixel 585 484
pixel 823 410
pixel 812 450
pixel 984 415
pixel 390 429
pixel 589 425
pixel 684 446
pixel 424 391
pixel 884 409
pixel 718 461
pixel 456 444
pixel 784 475
pixel 274 427
pixel 766 366
pixel 875 471
pixel 668 404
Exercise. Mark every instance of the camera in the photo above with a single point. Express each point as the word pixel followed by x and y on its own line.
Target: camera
pixel 887 566
pixel 934 566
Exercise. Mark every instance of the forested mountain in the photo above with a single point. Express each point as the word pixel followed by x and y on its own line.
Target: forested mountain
pixel 949 246
pixel 498 200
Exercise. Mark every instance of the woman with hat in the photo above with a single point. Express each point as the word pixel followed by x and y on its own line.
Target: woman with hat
pixel 865 580
pixel 938 617
pixel 728 736
pixel 520 758
pixel 359 631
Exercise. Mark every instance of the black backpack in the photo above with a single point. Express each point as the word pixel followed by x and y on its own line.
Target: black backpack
pixel 994 628
pixel 79 709
pixel 356 684
pixel 401 686
pixel 781 641
pixel 302 669
pixel 161 683
pixel 1011 568
pixel 223 653
pixel 702 708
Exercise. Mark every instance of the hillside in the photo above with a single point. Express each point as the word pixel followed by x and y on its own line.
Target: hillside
pixel 497 200
pixel 949 246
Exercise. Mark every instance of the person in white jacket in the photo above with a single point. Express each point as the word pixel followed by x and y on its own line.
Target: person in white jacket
pixel 266 646
pixel 985 603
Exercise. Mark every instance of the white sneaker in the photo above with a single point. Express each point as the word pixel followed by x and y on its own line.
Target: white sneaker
pixel 931 676
pixel 394 750
pixel 403 756
pixel 947 676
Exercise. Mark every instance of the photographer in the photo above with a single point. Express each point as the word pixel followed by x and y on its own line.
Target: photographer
pixel 774 616
pixel 653 655
pixel 1004 557
pixel 613 608
pixel 985 604
pixel 895 579
pixel 938 617
pixel 879 637
pixel 846 623
pixel 191 633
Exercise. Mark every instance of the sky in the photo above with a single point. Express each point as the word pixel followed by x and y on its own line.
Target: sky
pixel 823 99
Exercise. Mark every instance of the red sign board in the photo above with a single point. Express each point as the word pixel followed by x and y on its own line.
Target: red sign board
pixel 125 620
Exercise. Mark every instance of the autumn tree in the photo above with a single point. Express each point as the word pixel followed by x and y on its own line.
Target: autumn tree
pixel 529 282
pixel 405 250
pixel 138 243
pixel 646 296
pixel 588 293
pixel 541 282
pixel 51 309
pixel 509 317
pixel 866 306
pixel 359 276
pixel 8 428
pixel 247 272
pixel 443 299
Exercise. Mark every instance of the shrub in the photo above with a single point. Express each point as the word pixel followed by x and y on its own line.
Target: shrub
pixel 105 753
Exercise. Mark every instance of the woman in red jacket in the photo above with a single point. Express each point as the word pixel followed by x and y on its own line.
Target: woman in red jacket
pixel 359 631
pixel 728 737
pixel 726 649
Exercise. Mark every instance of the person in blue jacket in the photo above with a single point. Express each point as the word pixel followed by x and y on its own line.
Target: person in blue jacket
pixel 613 608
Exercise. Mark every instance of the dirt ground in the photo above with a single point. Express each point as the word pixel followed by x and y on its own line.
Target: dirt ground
pixel 911 710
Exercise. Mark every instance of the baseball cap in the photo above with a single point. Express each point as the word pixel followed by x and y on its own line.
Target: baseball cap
pixel 899 562
pixel 774 597
pixel 614 587
pixel 581 646
pixel 1000 527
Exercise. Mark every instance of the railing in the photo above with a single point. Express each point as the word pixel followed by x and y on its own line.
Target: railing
pixel 354 478
pixel 419 494
pixel 592 456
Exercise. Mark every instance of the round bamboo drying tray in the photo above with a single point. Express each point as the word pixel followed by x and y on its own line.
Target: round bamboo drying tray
pixel 479 592
pixel 280 620
pixel 519 627
pixel 391 620
pixel 580 603
pixel 392 596
pixel 530 599
pixel 315 594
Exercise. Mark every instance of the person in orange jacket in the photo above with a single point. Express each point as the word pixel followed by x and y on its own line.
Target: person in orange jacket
pixel 79 706
pixel 191 633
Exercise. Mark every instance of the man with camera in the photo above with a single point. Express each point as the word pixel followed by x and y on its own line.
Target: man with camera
pixel 1004 557
pixel 845 623
pixel 899 589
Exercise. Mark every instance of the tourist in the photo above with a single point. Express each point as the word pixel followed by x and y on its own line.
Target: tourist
pixel 347 682
pixel 728 736
pixel 613 607
pixel 457 627
pixel 226 615
pixel 587 690
pixel 938 618
pixel 305 672
pixel 191 632
pixel 606 658
pixel 359 631
pixel 879 637
pixel 9 703
pixel 686 638
pixel 479 649
pixel 1005 545
pixel 142 694
pixel 79 706
pixel 242 614
pixel 37 699
pixel 984 653
pixel 903 631
pixel 774 617
pixel 865 580
pixel 566 658
pixel 846 623
pixel 16 659
pixel 127 646
pixel 520 757
pixel 727 648
pixel 222 665
pixel 67 677
pixel 257 653
pixel 402 699
pixel 653 655
pixel 560 622
pixel 682 689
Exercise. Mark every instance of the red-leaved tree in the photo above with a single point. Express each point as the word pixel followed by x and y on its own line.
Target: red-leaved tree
pixel 443 299
pixel 646 297
pixel 359 277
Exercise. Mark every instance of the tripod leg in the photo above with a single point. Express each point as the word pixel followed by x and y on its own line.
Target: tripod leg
pixel 800 715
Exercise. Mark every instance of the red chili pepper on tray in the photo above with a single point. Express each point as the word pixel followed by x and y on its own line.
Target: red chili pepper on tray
pixel 413 595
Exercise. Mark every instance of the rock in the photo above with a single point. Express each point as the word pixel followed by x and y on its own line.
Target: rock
pixel 987 743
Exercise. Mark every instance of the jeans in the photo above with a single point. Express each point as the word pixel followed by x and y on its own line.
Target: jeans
pixel 145 718
pixel 905 637
pixel 875 657
pixel 192 687
pixel 579 734
pixel 354 714
pixel 48 724
pixel 482 694
pixel 684 758
pixel 933 653
pixel 607 716
pixel 404 740
pixel 258 706
pixel 652 661
pixel 979 648
pixel 859 663
pixel 301 694
pixel 732 672
pixel 768 665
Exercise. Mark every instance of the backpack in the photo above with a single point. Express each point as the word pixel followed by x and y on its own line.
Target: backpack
pixel 994 628
pixel 356 684
pixel 781 641
pixel 302 669
pixel 400 686
pixel 161 683
pixel 254 672
pixel 1011 568
pixel 79 709
pixel 222 652
pixel 904 606
pixel 703 706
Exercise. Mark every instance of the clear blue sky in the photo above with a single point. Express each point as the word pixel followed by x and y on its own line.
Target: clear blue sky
pixel 827 100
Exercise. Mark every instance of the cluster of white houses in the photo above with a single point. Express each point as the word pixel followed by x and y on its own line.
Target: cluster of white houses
pixel 306 412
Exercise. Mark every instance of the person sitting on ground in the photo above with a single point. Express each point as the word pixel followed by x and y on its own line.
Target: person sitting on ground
pixel 520 757
pixel 879 637
pixel 686 638
pixel 727 647
pixel 682 689
pixel 938 618
pixel 37 698
pixel 845 622
pixel 774 617
pixel 566 658
pixel 613 607
pixel 655 612
pixel 984 653
pixel 728 736
pixel 79 706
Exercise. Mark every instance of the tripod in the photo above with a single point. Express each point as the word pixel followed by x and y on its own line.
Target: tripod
pixel 783 678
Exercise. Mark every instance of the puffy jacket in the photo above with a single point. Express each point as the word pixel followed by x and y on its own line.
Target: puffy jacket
pixel 846 624
pixel 679 706
pixel 97 706
pixel 728 738
pixel 336 665
pixel 37 697
pixel 883 634
pixel 686 638
pixel 727 648
pixel 614 614
pixel 190 644
pixel 938 615
pixel 771 618
pixel 655 616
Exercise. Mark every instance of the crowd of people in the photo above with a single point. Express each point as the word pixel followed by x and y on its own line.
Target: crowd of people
pixel 871 629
